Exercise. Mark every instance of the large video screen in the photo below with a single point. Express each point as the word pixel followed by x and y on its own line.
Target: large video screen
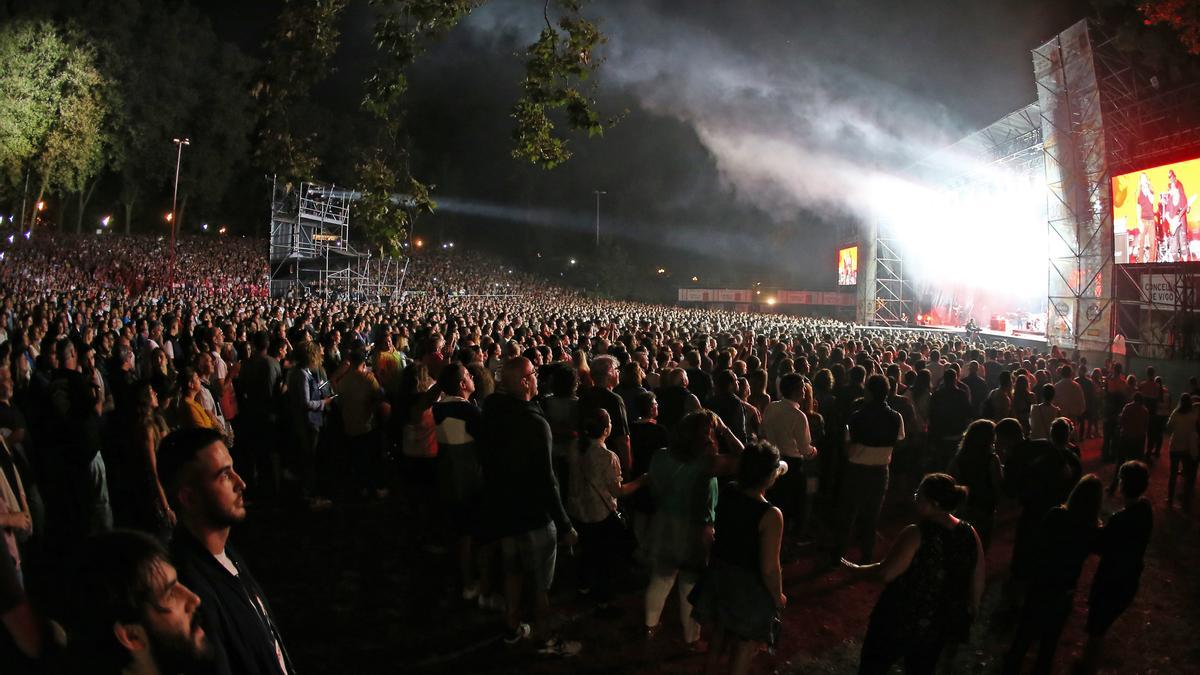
pixel 1152 214
pixel 848 266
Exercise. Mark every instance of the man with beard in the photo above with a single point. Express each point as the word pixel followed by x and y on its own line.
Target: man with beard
pixel 197 474
pixel 131 613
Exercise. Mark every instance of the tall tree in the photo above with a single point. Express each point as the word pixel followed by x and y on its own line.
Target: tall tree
pixel 59 131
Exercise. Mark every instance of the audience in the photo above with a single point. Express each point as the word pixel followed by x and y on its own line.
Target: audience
pixel 498 403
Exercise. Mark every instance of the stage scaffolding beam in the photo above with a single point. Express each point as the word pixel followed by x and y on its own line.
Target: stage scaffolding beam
pixel 1079 193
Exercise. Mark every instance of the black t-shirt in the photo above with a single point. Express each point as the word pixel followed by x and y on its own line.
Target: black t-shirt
pixel 599 397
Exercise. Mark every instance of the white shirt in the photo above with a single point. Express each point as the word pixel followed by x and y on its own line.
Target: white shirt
pixel 786 427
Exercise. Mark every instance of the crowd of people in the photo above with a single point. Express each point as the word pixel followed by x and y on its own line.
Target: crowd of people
pixel 679 448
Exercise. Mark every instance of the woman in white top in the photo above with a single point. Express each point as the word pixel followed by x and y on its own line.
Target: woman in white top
pixel 595 485
pixel 1184 447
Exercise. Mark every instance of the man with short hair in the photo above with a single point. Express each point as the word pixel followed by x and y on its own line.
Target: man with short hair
pixel 130 612
pixel 601 395
pixel 521 496
pixel 1069 397
pixel 873 432
pixel 197 475
pixel 785 426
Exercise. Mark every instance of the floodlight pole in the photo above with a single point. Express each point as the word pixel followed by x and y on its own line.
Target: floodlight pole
pixel 598 193
pixel 179 143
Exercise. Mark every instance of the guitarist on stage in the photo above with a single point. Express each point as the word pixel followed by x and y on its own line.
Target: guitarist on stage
pixel 1175 213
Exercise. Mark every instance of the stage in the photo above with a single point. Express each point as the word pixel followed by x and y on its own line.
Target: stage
pixel 1015 338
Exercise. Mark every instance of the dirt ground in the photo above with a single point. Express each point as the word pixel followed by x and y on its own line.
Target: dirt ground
pixel 351 593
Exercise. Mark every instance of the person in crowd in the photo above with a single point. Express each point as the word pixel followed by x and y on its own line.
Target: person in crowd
pixel 189 411
pixel 675 399
pixel 1069 396
pixel 460 478
pixel 726 403
pixel 1045 474
pixel 977 385
pixel 1158 403
pixel 740 595
pixel 596 484
pixel 1116 396
pixel 1063 541
pixel 521 497
pixel 359 397
pixel 684 486
pixel 1087 385
pixel 1022 400
pixel 1134 424
pixel 785 426
pixel 629 386
pixel 604 370
pixel 1042 414
pixel 131 614
pixel 873 430
pixel 950 411
pixel 978 467
pixel 561 408
pixel 261 382
pixel 1183 426
pixel 308 397
pixel 934 578
pixel 646 438
pixel 197 472
pixel 999 402
pixel 153 511
pixel 1121 546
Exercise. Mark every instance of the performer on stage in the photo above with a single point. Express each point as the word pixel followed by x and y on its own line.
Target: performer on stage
pixel 1175 213
pixel 1145 244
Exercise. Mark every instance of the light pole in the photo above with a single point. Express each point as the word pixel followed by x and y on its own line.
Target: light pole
pixel 179 143
pixel 598 193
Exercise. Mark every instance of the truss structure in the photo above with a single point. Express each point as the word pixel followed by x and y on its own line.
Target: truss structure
pixel 310 251
pixel 1157 310
pixel 1079 194
pixel 893 298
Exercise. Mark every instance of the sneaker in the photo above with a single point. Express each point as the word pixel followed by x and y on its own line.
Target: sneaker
pixel 470 592
pixel 560 647
pixel 519 633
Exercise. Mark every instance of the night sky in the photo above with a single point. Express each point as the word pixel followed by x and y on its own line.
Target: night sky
pixel 747 123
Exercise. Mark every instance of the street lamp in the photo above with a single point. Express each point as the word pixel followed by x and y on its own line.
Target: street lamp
pixel 179 143
pixel 598 193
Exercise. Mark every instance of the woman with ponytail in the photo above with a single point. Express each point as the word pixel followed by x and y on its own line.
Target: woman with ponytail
pixel 934 575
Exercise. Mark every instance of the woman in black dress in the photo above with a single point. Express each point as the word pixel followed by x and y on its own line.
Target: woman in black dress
pixel 1063 541
pixel 1122 546
pixel 934 575
pixel 741 592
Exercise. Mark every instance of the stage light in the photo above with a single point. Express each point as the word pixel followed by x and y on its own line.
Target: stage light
pixel 771 301
pixel 28 233
pixel 105 221
pixel 222 230
pixel 420 243
pixel 41 206
pixel 170 217
pixel 204 226
pixel 572 261
pixel 662 270
pixel 451 244
pixel 696 279
pixel 11 237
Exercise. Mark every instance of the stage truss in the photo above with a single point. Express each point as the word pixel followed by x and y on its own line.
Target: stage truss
pixel 893 298
pixel 310 251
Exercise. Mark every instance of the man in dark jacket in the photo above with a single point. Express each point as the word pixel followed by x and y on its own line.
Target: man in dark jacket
pixel 197 473
pixel 950 412
pixel 521 495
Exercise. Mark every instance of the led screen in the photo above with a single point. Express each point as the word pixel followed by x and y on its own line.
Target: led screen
pixel 1152 214
pixel 848 266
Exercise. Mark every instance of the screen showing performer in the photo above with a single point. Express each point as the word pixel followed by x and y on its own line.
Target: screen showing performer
pixel 848 266
pixel 1152 214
